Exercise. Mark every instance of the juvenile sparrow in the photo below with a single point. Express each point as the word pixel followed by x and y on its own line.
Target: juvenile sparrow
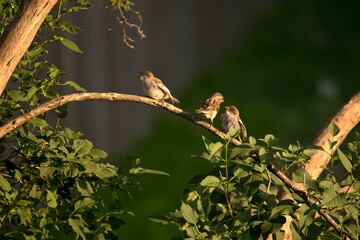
pixel 210 107
pixel 231 120
pixel 154 88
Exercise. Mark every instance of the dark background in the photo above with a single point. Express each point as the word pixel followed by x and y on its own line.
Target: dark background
pixel 287 66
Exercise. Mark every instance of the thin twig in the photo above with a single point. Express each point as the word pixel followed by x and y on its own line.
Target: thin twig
pixel 124 22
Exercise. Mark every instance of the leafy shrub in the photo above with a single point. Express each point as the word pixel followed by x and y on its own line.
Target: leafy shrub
pixel 238 198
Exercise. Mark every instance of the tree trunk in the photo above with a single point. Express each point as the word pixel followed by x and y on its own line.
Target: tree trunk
pixel 19 35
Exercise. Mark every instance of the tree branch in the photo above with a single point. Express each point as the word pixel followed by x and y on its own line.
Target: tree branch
pixel 346 118
pixel 76 97
pixel 19 35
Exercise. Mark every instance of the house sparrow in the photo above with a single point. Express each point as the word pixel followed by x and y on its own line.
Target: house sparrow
pixel 231 120
pixel 154 88
pixel 210 107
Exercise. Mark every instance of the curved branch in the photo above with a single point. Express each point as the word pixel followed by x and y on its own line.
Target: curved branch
pixel 346 118
pixel 76 97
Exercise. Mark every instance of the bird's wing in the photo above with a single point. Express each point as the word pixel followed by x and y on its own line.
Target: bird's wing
pixel 161 85
pixel 242 129
pixel 208 103
pixel 163 88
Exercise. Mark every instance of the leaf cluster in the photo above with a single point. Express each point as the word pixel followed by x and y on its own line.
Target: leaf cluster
pixel 53 183
pixel 237 199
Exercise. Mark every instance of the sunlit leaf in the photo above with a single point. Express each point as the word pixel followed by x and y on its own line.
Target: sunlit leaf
pixel 74 85
pixel 71 45
pixel 140 170
pixel 333 129
pixel 210 181
pixel 51 198
pixel 344 160
pixel 189 214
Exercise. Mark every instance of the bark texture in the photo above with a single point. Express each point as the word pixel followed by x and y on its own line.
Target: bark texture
pixel 19 35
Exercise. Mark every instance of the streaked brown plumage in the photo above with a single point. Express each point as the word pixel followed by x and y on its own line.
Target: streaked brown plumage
pixel 231 120
pixel 210 107
pixel 154 88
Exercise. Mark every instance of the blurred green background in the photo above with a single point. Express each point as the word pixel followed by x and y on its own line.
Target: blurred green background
pixel 295 68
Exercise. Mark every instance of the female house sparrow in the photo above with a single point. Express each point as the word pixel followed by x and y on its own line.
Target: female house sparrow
pixel 210 107
pixel 154 88
pixel 231 120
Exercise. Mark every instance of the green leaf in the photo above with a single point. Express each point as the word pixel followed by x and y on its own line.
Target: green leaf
pixel 140 170
pixel 315 147
pixel 245 216
pixel 84 188
pixel 38 122
pixel 31 92
pixel 271 139
pixel 215 148
pixel 48 65
pixel 331 143
pixel 232 133
pixel 78 227
pixel 84 203
pixel 71 171
pixel 105 171
pixel 241 150
pixel 74 85
pixel 46 171
pixel 51 198
pixel 82 146
pixel 295 232
pixel 331 198
pixel 309 152
pixel 284 207
pixel 265 157
pixel 206 143
pixel 333 129
pixel 160 219
pixel 25 215
pixel 68 27
pixel 252 140
pixel 35 193
pixel 306 216
pixel 344 160
pixel 71 45
pixel 352 146
pixel 189 214
pixel 210 181
pixel 98 153
pixel 16 95
pixel 4 184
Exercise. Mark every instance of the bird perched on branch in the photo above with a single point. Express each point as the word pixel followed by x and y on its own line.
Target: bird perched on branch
pixel 210 107
pixel 154 88
pixel 231 120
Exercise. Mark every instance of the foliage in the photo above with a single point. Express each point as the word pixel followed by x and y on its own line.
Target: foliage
pixel 53 184
pixel 52 181
pixel 237 198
